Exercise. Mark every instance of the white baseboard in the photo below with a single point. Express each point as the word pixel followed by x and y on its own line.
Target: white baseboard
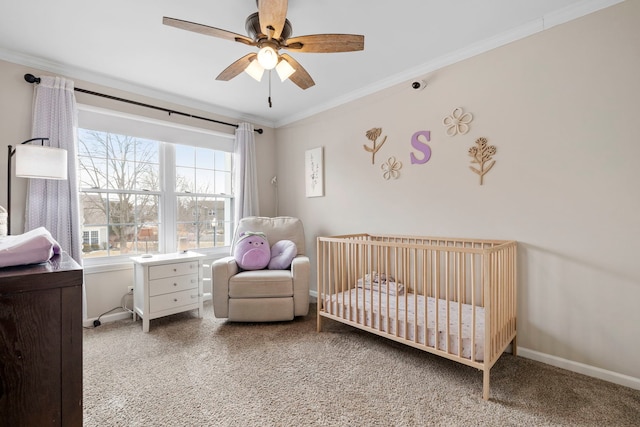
pixel 580 368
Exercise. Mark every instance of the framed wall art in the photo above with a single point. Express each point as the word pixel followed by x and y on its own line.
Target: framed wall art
pixel 314 172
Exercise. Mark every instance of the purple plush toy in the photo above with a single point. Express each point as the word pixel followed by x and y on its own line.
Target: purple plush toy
pixel 252 251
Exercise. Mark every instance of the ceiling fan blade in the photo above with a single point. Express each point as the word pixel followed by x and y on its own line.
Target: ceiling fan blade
pixel 272 15
pixel 301 78
pixel 237 67
pixel 206 30
pixel 326 43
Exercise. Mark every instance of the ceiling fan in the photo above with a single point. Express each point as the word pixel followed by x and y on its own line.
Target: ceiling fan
pixel 270 30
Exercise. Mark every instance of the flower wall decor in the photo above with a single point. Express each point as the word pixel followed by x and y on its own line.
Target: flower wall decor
pixel 391 168
pixel 457 122
pixel 373 135
pixel 482 154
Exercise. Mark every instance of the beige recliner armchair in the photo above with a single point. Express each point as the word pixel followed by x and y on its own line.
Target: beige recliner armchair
pixel 263 295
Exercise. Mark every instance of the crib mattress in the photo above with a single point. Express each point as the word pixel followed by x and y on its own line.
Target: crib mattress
pixel 398 315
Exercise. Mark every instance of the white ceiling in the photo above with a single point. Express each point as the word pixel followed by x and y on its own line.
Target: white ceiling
pixel 123 44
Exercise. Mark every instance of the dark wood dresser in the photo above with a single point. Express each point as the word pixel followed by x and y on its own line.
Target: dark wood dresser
pixel 41 344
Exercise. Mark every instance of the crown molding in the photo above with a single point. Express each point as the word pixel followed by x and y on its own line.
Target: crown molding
pixel 111 82
pixel 548 21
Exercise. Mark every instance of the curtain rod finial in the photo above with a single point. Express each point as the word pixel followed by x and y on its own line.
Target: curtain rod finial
pixel 31 78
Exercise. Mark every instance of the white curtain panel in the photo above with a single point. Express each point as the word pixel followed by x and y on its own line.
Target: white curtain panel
pixel 50 203
pixel 246 173
pixel 54 204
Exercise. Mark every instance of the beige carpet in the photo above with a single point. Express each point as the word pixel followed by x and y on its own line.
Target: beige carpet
pixel 206 372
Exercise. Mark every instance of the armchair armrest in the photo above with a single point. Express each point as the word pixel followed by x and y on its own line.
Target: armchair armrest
pixel 221 271
pixel 301 272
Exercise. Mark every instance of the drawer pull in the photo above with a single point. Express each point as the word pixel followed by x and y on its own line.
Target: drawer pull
pixel 175 284
pixel 175 269
pixel 175 300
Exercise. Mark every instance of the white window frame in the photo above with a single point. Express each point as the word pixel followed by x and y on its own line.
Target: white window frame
pixel 100 119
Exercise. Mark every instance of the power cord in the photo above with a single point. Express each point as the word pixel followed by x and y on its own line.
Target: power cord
pixel 123 306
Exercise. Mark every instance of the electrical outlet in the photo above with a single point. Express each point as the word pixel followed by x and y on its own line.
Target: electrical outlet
pixel 130 289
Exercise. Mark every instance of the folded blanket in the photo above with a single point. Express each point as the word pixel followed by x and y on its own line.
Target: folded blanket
pixel 32 247
pixel 381 283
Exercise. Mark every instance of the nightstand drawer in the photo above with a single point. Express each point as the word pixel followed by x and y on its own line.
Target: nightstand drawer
pixel 173 300
pixel 172 284
pixel 171 270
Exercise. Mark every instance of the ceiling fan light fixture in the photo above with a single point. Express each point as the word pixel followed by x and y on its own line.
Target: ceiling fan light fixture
pixel 268 57
pixel 284 70
pixel 255 70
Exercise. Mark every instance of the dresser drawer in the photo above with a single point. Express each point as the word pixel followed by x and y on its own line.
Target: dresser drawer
pixel 172 284
pixel 171 270
pixel 173 300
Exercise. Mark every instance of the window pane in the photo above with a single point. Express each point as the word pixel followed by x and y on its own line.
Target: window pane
pixel 121 212
pixel 187 209
pixel 94 208
pixel 185 180
pixel 122 239
pixel 204 158
pixel 147 209
pixel 148 177
pixel 205 179
pixel 91 143
pixel 147 151
pixel 93 172
pixel 223 183
pixel 120 147
pixel 148 239
pixel 185 155
pixel 186 236
pixel 223 161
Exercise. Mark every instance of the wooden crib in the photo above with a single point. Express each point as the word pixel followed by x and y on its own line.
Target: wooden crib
pixel 401 287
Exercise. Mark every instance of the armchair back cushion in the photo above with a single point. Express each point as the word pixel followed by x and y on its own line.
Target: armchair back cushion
pixel 278 228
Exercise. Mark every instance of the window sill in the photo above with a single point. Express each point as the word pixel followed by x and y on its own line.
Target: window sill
pixel 106 264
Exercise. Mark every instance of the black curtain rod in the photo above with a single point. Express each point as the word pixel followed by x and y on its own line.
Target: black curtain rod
pixel 33 79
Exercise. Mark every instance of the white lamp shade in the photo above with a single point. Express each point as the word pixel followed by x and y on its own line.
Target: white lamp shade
pixel 36 161
pixel 284 70
pixel 267 57
pixel 255 70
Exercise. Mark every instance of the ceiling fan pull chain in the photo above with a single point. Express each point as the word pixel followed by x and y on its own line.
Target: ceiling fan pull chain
pixel 270 105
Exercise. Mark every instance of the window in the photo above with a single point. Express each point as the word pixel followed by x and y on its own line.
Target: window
pixel 91 238
pixel 141 195
pixel 202 185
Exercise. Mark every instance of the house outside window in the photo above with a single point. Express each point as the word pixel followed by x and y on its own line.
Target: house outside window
pixel 141 195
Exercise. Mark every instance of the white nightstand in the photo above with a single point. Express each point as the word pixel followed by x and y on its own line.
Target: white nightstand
pixel 166 284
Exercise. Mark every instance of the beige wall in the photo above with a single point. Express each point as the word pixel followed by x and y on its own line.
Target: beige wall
pixel 105 288
pixel 561 107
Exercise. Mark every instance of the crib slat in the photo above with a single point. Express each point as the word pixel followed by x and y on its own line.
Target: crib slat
pixel 446 290
pixel 459 287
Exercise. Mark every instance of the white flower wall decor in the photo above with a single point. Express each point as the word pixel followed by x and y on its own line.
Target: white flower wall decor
pixel 457 122
pixel 391 168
